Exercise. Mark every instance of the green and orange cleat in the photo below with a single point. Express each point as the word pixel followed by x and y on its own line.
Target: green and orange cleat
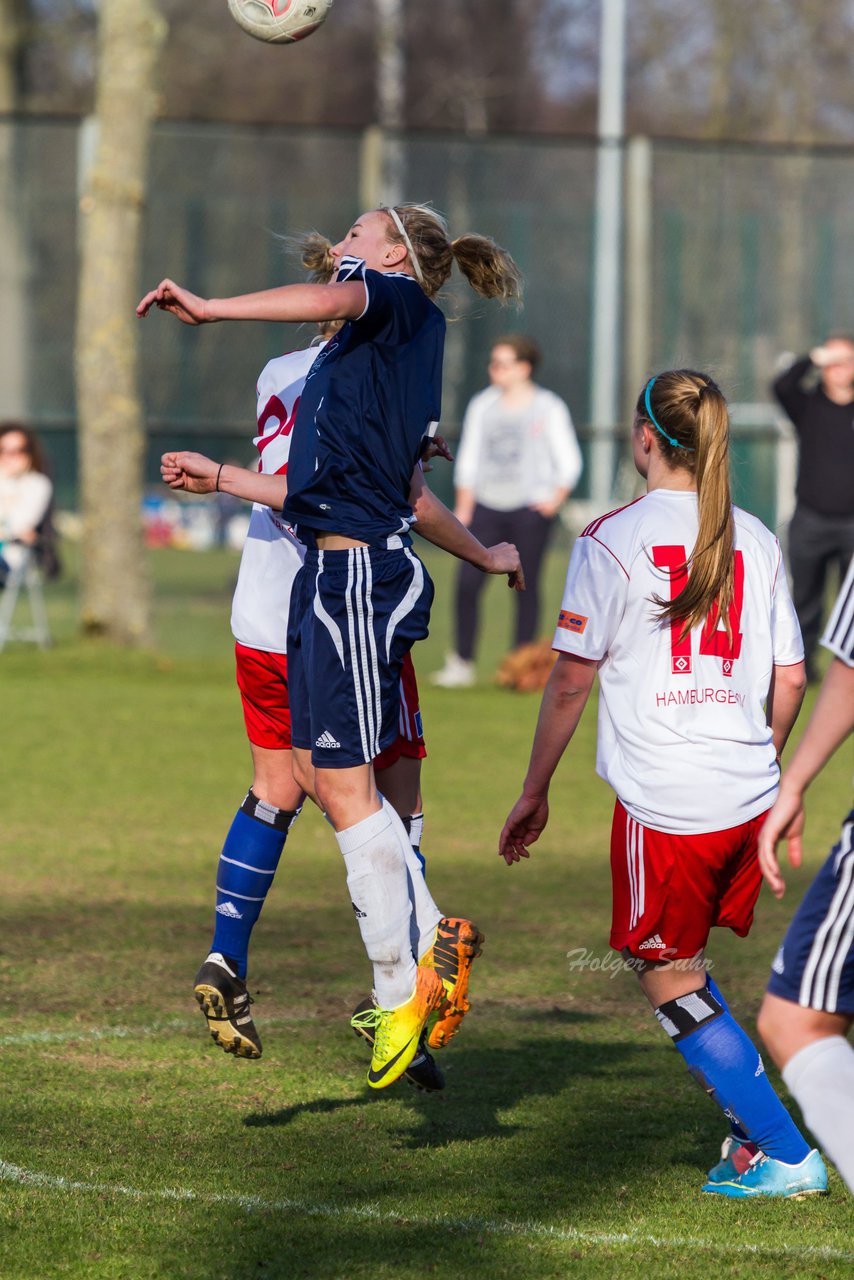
pixel 396 1033
pixel 457 945
pixel 422 1072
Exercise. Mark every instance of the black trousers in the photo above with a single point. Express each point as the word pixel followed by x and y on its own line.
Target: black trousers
pixel 530 532
pixel 816 544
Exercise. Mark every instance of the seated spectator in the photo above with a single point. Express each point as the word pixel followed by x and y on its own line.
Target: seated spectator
pixel 25 494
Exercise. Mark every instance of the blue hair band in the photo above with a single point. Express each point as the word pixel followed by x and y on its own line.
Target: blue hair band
pixel 652 418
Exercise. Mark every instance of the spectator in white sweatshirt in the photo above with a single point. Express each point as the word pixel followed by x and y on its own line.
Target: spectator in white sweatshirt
pixel 517 462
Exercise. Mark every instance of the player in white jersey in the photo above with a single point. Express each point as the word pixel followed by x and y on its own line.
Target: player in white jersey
pixel 679 602
pixel 809 1007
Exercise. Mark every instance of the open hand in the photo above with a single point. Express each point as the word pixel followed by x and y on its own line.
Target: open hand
pixel 526 822
pixel 785 821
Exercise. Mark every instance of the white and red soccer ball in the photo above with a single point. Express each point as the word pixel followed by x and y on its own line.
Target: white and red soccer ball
pixel 279 21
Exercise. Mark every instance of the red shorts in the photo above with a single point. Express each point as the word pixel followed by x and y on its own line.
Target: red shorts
pixel 669 890
pixel 410 733
pixel 262 679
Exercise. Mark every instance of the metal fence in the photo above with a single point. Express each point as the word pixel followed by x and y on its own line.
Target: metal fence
pixel 732 255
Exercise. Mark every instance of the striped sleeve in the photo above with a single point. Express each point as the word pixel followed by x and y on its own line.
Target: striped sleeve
pixel 839 633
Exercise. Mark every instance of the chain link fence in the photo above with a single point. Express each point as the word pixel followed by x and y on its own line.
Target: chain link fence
pixel 732 256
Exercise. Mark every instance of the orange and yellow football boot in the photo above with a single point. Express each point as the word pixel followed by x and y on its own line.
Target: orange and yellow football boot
pixel 457 945
pixel 397 1032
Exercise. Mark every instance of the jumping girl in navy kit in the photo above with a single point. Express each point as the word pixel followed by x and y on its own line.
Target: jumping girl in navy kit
pixel 363 597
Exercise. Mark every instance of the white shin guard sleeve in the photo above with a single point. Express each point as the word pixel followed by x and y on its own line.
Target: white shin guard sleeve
pixel 821 1077
pixel 378 884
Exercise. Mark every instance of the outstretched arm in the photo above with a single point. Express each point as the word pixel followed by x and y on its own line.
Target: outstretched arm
pixel 294 302
pixel 195 473
pixel 440 526
pixel 564 699
pixel 831 722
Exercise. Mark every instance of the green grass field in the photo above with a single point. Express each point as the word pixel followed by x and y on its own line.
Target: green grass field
pixel 570 1140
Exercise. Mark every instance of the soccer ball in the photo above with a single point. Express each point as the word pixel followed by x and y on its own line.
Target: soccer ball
pixel 279 21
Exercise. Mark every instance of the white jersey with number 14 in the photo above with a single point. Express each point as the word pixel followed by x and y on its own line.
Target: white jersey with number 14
pixel 683 736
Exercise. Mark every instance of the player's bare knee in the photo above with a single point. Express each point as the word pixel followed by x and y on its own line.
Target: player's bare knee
pixel 786 1027
pixel 783 1027
pixel 669 979
pixel 768 1025
pixel 303 772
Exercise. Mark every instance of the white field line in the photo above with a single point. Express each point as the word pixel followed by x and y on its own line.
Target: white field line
pixel 92 1033
pixel 121 1033
pixel 369 1213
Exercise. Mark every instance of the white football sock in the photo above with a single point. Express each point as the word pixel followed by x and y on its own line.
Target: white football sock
pixel 378 883
pixel 821 1077
pixel 425 914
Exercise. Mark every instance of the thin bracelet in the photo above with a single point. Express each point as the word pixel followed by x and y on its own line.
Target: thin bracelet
pixel 218 474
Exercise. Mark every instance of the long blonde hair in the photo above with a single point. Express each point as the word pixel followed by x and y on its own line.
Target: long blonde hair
pixel 489 269
pixel 689 416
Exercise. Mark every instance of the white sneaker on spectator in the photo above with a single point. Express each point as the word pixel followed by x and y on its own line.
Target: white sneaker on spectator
pixel 457 673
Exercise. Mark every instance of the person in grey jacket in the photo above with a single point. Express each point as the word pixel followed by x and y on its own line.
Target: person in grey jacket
pixel 517 462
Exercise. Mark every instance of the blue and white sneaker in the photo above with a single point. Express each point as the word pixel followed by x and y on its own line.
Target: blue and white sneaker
pixel 767 1177
pixel 736 1155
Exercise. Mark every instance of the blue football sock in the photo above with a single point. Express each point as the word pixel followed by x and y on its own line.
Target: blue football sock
pixel 722 1058
pixel 245 873
pixel 735 1128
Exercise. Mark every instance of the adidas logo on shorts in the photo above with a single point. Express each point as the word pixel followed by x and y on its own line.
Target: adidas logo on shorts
pixel 230 910
pixel 326 740
pixel 652 944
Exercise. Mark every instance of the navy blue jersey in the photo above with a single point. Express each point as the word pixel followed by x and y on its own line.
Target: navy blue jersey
pixel 369 400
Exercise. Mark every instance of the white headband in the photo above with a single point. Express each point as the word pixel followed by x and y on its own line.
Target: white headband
pixel 413 257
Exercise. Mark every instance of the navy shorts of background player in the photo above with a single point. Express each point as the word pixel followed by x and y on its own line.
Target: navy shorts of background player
pixel 371 398
pixel 815 965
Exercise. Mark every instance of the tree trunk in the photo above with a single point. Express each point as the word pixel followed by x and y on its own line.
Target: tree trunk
pixel 111 431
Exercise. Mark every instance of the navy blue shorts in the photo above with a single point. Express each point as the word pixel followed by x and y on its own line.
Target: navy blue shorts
pixel 815 965
pixel 354 615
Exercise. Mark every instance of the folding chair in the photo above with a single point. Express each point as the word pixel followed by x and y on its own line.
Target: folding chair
pixel 24 576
